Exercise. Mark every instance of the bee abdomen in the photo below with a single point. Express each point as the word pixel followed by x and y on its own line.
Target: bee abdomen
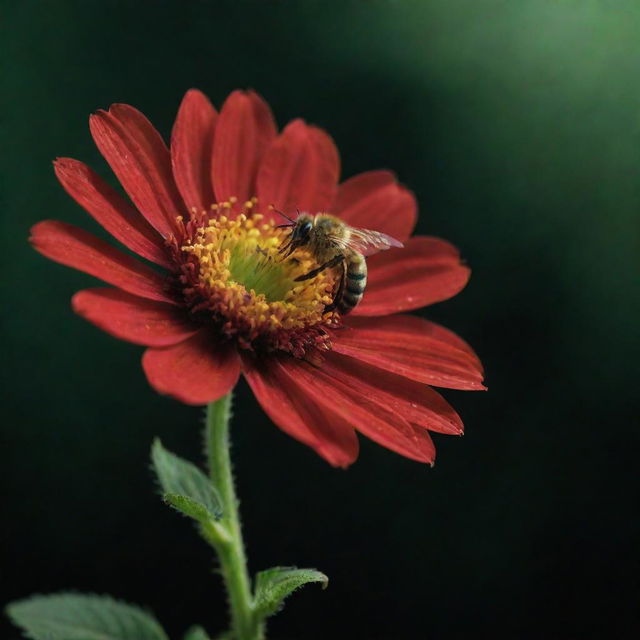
pixel 355 283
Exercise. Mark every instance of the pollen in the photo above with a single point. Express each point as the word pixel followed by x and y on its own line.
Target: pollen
pixel 234 276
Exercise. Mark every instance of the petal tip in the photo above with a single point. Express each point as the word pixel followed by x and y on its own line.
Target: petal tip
pixel 339 462
pixel 63 165
pixel 297 123
pixel 38 228
pixel 193 91
pixel 76 302
pixel 98 114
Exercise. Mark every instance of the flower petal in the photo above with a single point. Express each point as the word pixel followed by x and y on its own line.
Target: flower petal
pixel 412 347
pixel 140 159
pixel 192 148
pixel 110 210
pixel 81 250
pixel 127 317
pixel 196 371
pixel 300 170
pixel 298 413
pixel 370 416
pixel 374 200
pixel 416 402
pixel 244 130
pixel 426 447
pixel 427 270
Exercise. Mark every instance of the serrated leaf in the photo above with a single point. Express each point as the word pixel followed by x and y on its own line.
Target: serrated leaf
pixel 185 487
pixel 274 585
pixel 196 633
pixel 71 616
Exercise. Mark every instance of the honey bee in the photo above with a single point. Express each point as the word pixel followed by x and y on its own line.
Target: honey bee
pixel 336 245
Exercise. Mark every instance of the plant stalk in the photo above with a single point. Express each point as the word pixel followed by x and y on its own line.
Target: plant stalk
pixel 245 625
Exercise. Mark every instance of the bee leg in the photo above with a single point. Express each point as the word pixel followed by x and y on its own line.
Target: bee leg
pixel 339 290
pixel 327 265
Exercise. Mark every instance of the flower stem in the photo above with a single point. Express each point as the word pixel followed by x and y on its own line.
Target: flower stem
pixel 245 625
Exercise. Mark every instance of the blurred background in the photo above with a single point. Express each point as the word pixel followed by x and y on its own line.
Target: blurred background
pixel 518 126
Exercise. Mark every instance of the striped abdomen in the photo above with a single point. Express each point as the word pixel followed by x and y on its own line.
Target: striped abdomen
pixel 355 282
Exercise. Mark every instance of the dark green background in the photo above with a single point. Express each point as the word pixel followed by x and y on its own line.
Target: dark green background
pixel 517 123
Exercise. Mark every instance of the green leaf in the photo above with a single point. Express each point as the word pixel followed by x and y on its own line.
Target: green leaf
pixel 274 585
pixel 196 633
pixel 189 507
pixel 71 616
pixel 185 487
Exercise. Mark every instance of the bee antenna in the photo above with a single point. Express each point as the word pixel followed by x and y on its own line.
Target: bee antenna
pixel 284 215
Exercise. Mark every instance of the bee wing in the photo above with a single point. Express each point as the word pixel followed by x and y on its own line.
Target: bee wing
pixel 368 242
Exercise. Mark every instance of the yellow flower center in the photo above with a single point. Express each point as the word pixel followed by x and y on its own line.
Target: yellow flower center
pixel 232 270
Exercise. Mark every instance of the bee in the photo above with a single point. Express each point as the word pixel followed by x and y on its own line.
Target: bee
pixel 336 245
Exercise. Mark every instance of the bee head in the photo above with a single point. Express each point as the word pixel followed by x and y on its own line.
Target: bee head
pixel 302 229
pixel 300 232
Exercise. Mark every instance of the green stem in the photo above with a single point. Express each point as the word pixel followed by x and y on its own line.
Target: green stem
pixel 245 625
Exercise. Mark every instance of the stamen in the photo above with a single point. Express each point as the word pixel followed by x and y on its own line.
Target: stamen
pixel 233 273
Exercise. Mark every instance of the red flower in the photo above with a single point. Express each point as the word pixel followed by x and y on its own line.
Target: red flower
pixel 227 305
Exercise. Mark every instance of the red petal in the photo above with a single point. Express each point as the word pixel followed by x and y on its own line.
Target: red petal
pixel 374 200
pixel 426 447
pixel 81 250
pixel 245 129
pixel 138 156
pixel 416 402
pixel 300 170
pixel 296 411
pixel 411 347
pixel 191 150
pixel 426 271
pixel 145 322
pixel 196 371
pixel 370 416
pixel 110 210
